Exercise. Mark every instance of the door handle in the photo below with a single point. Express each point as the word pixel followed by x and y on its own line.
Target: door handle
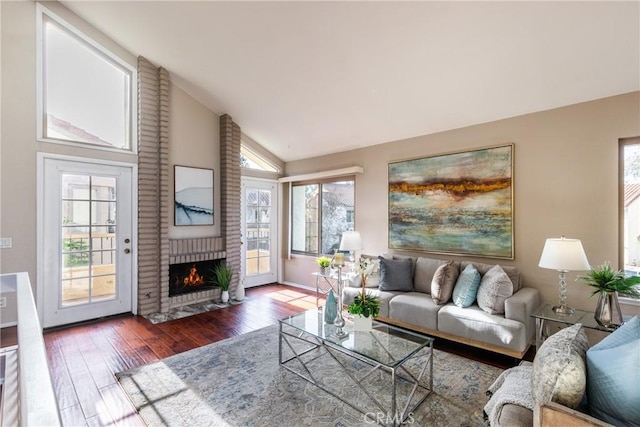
pixel 127 250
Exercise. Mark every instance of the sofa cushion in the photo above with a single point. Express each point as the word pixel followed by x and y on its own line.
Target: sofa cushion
pixel 424 271
pixel 495 287
pixel 476 324
pixel 559 372
pixel 444 279
pixel 613 390
pixel 466 288
pixel 512 272
pixel 415 308
pixel 396 275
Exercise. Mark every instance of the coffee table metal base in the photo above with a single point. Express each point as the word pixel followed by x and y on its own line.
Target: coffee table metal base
pixel 420 383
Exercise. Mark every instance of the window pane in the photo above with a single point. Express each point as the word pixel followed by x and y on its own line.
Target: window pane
pixel 87 96
pixel 337 202
pixel 631 224
pixel 304 218
pixel 335 216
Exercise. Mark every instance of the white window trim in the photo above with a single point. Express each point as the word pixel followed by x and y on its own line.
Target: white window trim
pixel 41 12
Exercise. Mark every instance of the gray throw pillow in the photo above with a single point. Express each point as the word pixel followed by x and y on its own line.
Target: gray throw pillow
pixel 396 275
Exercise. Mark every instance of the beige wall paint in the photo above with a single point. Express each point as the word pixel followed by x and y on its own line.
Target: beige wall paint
pixel 566 183
pixel 194 140
pixel 192 126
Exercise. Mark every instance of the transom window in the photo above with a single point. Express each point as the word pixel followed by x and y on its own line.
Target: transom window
pixel 320 213
pixel 87 94
pixel 251 160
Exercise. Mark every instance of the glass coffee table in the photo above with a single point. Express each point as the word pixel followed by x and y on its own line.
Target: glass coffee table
pixel 385 374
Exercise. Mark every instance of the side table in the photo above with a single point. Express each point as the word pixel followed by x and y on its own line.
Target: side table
pixel 545 315
pixel 330 279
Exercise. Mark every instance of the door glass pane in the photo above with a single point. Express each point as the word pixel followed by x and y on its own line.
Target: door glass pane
pixel 257 230
pixel 88 252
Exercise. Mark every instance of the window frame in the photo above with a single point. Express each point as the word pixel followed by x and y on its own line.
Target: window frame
pixel 44 15
pixel 320 183
pixel 622 143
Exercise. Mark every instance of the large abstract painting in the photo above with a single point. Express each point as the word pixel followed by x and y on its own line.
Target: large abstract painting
pixel 459 203
pixel 193 196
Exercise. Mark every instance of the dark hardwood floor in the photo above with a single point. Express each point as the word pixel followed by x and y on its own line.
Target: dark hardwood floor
pixel 84 358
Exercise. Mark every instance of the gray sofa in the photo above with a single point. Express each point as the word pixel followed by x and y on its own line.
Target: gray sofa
pixel 509 333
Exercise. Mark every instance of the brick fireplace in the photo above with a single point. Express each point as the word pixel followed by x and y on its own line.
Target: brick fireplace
pixel 204 253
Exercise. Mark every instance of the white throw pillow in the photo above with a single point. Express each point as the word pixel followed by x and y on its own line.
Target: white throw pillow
pixel 495 288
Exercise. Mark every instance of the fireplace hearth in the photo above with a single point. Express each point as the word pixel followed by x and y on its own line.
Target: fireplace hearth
pixel 191 276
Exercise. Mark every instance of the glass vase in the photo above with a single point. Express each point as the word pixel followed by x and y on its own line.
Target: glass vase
pixel 608 314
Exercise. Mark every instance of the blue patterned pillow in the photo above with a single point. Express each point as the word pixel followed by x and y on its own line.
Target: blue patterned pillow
pixel 466 289
pixel 613 390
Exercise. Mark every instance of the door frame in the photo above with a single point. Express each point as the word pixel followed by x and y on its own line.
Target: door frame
pixel 275 239
pixel 41 157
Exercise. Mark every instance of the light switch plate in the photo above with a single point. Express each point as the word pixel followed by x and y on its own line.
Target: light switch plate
pixel 6 242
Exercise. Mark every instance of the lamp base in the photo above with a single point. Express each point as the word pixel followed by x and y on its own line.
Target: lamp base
pixel 563 309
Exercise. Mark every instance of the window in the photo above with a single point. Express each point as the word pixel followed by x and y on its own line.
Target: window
pixel 630 184
pixel 251 160
pixel 320 213
pixel 87 94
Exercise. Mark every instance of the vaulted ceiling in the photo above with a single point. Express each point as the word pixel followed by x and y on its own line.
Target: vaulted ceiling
pixel 311 78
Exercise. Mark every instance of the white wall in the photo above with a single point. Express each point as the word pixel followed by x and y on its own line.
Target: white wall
pixel 194 135
pixel 565 183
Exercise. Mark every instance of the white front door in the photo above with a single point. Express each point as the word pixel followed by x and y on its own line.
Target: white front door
pixel 259 232
pixel 87 242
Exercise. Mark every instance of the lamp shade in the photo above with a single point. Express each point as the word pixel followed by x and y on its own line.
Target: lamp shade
pixel 350 241
pixel 564 255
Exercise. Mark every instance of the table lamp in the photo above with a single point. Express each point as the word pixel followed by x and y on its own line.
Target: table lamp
pixel 351 242
pixel 563 255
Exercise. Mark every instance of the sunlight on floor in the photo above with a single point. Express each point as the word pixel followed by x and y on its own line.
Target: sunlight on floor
pixel 297 299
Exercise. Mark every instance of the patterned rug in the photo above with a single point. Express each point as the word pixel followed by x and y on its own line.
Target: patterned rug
pixel 238 382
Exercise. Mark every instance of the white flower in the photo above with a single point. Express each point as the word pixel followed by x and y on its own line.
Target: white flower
pixel 366 266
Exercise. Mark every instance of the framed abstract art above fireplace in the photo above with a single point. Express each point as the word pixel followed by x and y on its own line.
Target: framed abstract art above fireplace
pixel 459 203
pixel 193 201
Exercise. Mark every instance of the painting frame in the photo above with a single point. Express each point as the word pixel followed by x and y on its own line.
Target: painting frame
pixel 459 203
pixel 193 199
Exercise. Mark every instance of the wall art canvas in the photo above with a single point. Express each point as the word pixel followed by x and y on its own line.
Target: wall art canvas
pixel 458 203
pixel 193 200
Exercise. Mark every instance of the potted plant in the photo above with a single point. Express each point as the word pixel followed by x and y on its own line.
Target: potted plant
pixel 222 275
pixel 607 284
pixel 364 306
pixel 323 263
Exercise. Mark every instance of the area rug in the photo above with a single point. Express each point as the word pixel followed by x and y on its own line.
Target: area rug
pixel 239 382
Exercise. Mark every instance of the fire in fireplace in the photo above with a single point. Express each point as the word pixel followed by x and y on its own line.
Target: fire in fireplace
pixel 191 276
